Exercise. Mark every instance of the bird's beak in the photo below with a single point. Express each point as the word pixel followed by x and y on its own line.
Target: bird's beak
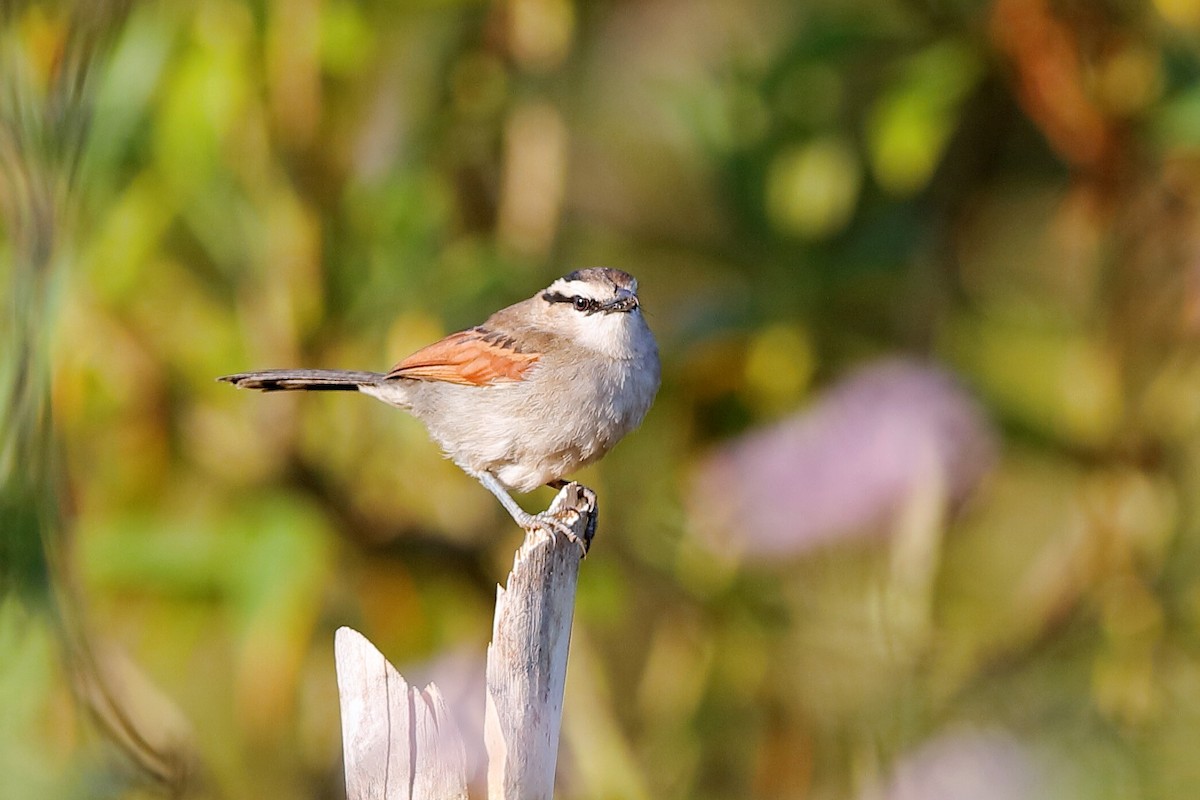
pixel 624 301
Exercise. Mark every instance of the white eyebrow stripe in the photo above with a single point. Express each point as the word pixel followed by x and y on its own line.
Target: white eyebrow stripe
pixel 581 288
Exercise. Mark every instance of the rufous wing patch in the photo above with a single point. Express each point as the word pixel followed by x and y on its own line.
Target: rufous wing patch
pixel 475 357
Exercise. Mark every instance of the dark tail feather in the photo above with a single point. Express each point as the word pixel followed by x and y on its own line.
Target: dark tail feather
pixel 273 380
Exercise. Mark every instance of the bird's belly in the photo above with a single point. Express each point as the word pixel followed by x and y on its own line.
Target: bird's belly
pixel 535 455
pixel 527 439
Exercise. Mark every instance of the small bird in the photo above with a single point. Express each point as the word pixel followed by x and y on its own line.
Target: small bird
pixel 542 388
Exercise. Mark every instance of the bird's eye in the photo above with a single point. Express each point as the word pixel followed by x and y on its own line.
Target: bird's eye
pixel 581 303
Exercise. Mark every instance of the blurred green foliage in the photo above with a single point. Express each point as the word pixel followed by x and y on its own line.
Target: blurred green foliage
pixel 1011 188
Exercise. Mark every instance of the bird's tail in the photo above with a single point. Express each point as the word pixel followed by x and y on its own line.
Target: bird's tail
pixel 273 380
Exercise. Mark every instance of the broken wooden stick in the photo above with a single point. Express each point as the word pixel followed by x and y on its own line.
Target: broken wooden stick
pixel 400 743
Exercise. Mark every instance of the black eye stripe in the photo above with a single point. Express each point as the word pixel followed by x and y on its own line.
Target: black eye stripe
pixel 578 302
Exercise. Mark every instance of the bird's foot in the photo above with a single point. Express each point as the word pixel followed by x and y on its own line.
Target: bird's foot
pixel 555 525
pixel 565 511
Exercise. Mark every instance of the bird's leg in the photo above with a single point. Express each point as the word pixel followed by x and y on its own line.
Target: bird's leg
pixel 520 515
pixel 543 520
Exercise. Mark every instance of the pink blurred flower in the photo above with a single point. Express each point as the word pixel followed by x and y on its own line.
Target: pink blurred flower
pixel 845 466
pixel 966 765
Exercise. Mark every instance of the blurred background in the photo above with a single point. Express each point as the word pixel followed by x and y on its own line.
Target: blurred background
pixel 914 515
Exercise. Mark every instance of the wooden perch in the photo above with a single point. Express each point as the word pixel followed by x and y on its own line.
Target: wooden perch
pixel 527 659
pixel 400 743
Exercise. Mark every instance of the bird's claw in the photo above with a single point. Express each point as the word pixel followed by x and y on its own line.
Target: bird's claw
pixel 589 532
pixel 554 525
pixel 564 513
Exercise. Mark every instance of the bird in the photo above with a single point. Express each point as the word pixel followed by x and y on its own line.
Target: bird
pixel 540 389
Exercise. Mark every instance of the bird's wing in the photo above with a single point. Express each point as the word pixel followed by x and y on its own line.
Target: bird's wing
pixel 475 357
